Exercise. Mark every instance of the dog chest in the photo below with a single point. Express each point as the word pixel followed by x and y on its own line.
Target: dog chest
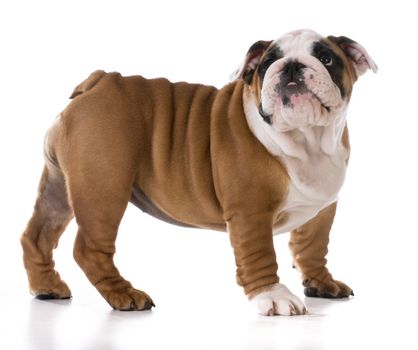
pixel 314 185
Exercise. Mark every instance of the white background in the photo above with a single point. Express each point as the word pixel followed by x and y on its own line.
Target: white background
pixel 48 47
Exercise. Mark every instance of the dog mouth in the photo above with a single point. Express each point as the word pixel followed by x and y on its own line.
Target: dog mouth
pixel 290 96
pixel 321 102
pixel 291 92
pixel 317 98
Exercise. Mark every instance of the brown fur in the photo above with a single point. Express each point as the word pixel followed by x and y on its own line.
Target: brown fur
pixel 189 152
pixel 350 75
pixel 308 245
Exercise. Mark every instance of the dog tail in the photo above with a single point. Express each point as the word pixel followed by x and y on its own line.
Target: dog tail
pixel 87 84
pixel 52 135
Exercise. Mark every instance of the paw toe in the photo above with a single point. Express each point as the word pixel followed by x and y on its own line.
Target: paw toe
pixel 279 301
pixel 51 296
pixel 329 290
pixel 59 291
pixel 130 300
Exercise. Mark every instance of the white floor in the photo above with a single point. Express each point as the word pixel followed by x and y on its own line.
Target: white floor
pixel 193 322
pixel 190 275
pixel 200 324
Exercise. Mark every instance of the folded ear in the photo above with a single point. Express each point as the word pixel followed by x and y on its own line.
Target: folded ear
pixel 356 53
pixel 247 68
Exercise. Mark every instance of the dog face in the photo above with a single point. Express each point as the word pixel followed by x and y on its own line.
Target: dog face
pixel 303 79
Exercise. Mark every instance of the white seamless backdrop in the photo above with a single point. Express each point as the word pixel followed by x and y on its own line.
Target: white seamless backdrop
pixel 48 47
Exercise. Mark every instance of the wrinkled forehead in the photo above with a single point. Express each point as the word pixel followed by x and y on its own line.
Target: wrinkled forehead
pixel 297 42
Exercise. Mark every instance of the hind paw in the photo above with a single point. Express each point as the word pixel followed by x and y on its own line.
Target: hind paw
pixel 129 299
pixel 58 291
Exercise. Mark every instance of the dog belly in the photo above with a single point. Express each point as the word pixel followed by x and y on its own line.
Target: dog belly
pixel 175 212
pixel 140 200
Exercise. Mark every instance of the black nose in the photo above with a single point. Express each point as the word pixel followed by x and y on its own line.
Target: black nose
pixel 292 72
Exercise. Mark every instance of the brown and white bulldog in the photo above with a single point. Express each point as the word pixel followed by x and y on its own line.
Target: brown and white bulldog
pixel 265 154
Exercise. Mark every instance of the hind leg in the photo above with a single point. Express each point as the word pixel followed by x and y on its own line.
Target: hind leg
pixel 51 215
pixel 99 196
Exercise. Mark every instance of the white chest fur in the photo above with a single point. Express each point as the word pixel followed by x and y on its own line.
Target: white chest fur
pixel 315 183
pixel 315 159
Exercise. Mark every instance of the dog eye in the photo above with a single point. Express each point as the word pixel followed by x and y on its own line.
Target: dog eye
pixel 268 63
pixel 325 59
pixel 265 65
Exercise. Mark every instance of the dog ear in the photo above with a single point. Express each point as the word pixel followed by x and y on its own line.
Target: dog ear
pixel 247 68
pixel 356 53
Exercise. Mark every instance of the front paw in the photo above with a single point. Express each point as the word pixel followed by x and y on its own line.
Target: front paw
pixel 278 300
pixel 326 289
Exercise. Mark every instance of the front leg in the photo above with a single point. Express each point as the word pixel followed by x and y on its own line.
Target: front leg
pixel 252 240
pixel 309 246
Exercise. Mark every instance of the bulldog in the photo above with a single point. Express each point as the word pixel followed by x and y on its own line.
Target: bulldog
pixel 263 155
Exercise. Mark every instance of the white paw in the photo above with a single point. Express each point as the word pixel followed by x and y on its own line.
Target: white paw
pixel 278 301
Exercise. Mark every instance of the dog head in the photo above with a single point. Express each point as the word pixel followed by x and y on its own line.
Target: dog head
pixel 303 79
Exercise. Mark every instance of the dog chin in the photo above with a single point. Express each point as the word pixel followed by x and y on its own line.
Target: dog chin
pixel 300 110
